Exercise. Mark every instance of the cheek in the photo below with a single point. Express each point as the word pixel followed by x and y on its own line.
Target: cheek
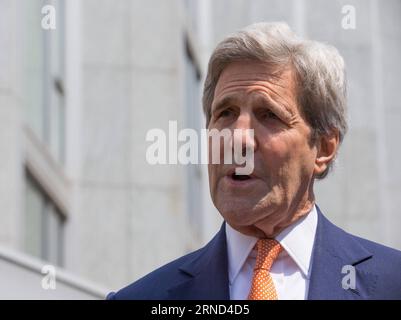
pixel 275 153
pixel 287 156
pixel 216 149
pixel 212 175
pixel 302 164
pixel 214 172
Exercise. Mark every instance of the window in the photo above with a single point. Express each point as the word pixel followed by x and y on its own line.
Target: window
pixel 43 224
pixel 193 120
pixel 43 97
pixel 43 67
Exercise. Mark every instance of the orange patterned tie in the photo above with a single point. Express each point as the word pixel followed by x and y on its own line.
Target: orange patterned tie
pixel 262 283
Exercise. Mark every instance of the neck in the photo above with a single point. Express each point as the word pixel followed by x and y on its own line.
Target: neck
pixel 276 223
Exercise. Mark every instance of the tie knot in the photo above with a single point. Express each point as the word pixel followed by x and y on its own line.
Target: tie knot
pixel 268 251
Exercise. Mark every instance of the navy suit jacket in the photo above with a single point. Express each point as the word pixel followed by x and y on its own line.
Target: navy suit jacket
pixel 203 274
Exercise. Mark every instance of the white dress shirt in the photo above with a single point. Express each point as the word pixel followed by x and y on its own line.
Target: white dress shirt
pixel 290 271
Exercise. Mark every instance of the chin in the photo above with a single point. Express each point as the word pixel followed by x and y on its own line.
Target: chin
pixel 241 216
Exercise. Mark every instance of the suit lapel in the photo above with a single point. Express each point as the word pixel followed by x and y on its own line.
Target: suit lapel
pixel 334 249
pixel 207 272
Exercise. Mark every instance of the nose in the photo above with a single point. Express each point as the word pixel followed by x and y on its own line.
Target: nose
pixel 244 133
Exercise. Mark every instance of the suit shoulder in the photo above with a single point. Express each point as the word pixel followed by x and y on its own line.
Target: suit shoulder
pixel 386 264
pixel 381 251
pixel 378 250
pixel 155 285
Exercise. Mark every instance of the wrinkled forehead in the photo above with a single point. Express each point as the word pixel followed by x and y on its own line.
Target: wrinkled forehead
pixel 244 75
pixel 246 67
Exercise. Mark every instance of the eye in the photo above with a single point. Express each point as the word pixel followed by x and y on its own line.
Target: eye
pixel 268 114
pixel 226 113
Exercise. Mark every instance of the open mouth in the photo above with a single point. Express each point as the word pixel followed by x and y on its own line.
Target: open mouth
pixel 240 177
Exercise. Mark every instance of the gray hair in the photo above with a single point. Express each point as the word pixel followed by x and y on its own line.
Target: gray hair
pixel 319 73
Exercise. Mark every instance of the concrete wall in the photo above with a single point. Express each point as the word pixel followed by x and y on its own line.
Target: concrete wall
pixel 10 124
pixel 129 215
pixel 24 277
pixel 124 76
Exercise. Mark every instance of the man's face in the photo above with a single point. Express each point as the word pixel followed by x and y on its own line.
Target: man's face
pixel 279 190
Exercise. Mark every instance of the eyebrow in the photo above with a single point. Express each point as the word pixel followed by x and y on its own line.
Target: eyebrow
pixel 223 102
pixel 282 109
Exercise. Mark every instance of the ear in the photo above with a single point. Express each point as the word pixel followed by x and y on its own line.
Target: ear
pixel 327 146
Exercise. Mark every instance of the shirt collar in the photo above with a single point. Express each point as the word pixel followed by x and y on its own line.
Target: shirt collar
pixel 297 240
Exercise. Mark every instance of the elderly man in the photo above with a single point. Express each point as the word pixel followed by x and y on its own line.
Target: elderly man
pixel 275 243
